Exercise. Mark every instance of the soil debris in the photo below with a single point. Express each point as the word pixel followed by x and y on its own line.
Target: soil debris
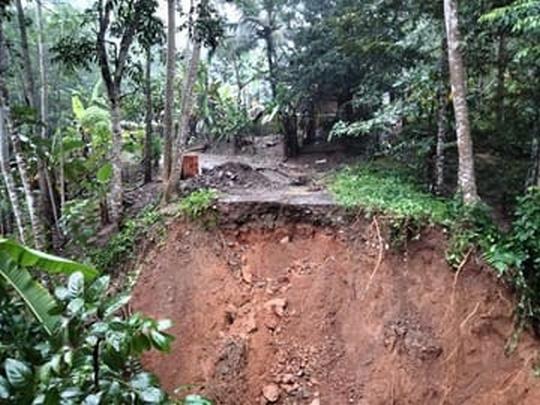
pixel 226 177
pixel 295 335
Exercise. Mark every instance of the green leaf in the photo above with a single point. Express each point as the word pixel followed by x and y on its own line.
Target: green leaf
pixel 18 374
pixel 4 388
pixel 27 257
pixel 142 381
pixel 98 288
pixel 105 173
pixel 152 395
pixel 78 108
pixel 196 400
pixel 161 341
pixel 37 299
pixel 164 324
pixel 75 306
pixel 93 399
pixel 75 285
pixel 115 304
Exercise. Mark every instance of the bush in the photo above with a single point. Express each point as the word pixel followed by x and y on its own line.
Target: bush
pixel 93 358
pixel 121 247
pixel 196 204
pixel 517 257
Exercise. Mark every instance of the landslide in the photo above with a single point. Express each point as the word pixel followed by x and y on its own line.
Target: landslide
pixel 288 307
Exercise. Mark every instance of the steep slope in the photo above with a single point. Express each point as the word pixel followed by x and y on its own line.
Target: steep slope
pixel 290 312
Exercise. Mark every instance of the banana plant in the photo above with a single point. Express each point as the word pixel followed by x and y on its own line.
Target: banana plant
pixel 15 262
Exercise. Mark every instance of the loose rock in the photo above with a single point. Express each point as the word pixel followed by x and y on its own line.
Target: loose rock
pixel 271 393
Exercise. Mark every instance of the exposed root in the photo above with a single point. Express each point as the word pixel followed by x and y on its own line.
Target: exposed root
pixel 469 317
pixel 379 258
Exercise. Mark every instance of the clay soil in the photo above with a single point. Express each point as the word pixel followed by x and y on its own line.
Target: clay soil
pixel 300 314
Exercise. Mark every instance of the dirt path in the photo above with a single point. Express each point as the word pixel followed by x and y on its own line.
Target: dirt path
pixel 303 314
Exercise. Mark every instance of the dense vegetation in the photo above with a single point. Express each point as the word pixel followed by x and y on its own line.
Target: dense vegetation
pixel 96 100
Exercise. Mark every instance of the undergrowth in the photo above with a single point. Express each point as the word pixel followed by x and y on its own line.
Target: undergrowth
pixel 198 204
pixel 122 245
pixel 387 191
pixel 406 208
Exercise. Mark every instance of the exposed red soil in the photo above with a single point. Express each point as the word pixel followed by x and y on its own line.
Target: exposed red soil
pixel 275 310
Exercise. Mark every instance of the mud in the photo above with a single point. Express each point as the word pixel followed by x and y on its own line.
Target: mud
pixel 318 312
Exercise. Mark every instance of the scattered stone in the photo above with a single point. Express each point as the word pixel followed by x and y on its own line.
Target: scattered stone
pixel 247 276
pixel 287 378
pixel 271 393
pixel 277 305
pixel 251 323
pixel 285 240
pixel 271 322
pixel 316 401
pixel 230 314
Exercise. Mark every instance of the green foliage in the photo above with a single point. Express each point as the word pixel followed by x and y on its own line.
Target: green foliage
pixel 389 191
pixel 14 261
pixel 392 192
pixel 197 204
pixel 517 256
pixel 80 220
pixel 121 247
pixel 92 359
pixel 26 257
pixel 469 227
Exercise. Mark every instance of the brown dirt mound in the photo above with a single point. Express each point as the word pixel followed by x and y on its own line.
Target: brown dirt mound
pixel 230 175
pixel 308 315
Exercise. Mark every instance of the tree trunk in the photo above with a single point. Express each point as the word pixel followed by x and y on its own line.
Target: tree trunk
pixel 37 228
pixel 48 202
pixel 116 192
pixel 290 129
pixel 186 105
pixel 442 121
pixel 466 172
pixel 500 92
pixel 147 160
pixel 8 178
pixel 533 179
pixel 271 67
pixel 168 126
pixel 30 86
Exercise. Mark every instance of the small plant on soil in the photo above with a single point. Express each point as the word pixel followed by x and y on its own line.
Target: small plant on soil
pixel 198 203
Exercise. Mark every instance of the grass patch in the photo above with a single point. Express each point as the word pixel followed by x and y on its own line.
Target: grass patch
pixel 391 193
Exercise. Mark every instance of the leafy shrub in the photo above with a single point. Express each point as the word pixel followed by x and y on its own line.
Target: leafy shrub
pixel 80 220
pixel 517 257
pixel 121 247
pixel 92 359
pixel 468 227
pixel 196 204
